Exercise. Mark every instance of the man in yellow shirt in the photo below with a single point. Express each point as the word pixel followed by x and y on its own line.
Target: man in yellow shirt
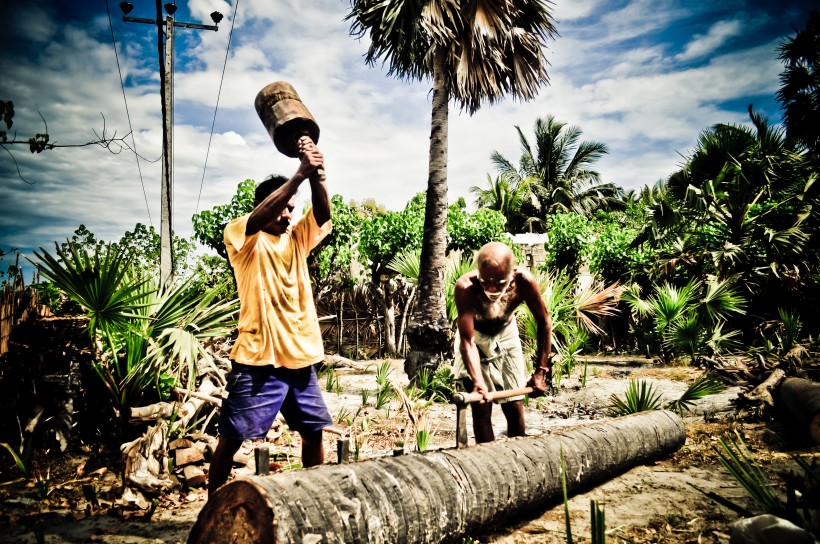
pixel 279 338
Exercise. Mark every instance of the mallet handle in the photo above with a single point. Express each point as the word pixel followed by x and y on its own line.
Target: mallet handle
pixel 321 170
pixel 469 398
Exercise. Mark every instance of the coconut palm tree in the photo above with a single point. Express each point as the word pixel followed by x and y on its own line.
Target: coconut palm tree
pixel 475 52
pixel 558 169
pixel 507 196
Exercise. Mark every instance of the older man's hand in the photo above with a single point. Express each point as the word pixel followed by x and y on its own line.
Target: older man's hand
pixel 541 382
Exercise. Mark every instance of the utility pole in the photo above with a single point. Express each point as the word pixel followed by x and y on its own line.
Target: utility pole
pixel 165 48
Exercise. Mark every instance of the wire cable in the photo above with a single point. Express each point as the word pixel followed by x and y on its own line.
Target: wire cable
pixel 218 94
pixel 128 114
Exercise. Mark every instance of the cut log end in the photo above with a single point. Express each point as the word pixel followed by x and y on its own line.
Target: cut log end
pixel 235 513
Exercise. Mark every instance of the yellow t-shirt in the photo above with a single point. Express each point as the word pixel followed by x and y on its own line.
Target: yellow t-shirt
pixel 277 317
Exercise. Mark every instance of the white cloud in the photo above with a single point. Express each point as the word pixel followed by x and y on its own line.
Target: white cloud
pixel 718 34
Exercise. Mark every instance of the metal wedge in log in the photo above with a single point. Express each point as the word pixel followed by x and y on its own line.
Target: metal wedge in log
pixel 437 496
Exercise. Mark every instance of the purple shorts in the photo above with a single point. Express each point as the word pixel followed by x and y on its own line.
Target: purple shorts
pixel 255 394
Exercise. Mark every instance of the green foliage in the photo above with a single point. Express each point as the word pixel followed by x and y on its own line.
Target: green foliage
pixel 213 273
pixel 597 519
pixel 209 225
pixel 705 385
pixel 567 522
pixel 611 256
pixel 50 295
pixel 424 432
pixel 744 207
pixel 573 312
pixel 688 319
pixel 140 246
pixel 143 244
pixel 408 264
pixel 384 388
pixel 336 252
pixel 739 461
pixel 149 339
pixel 568 243
pixel 12 273
pixel 435 385
pixel 469 231
pixel 640 396
pixel 22 458
pixel 385 235
pixel 98 282
pixel 556 171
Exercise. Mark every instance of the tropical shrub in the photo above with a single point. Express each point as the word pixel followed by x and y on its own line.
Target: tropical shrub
pixel 147 340
pixel 689 319
pixel 569 238
pixel 574 313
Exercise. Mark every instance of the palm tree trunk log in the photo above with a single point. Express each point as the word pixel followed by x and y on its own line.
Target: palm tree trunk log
pixel 801 399
pixel 438 496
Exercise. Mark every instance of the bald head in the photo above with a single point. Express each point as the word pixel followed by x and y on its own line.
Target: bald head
pixel 495 258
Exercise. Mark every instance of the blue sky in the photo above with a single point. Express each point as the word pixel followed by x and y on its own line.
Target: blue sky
pixel 643 76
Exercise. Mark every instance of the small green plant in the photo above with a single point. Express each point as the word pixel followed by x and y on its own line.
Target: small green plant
pixel 43 485
pixel 739 461
pixel 332 383
pixel 566 497
pixel 437 385
pixel 343 415
pixel 424 432
pixel 640 397
pixel 23 455
pixel 365 396
pixel 384 391
pixel 705 385
pixel 598 522
pixel 22 458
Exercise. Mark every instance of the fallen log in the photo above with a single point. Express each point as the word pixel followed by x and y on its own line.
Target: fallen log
pixel 763 392
pixel 192 406
pixel 801 399
pixel 438 496
pixel 152 412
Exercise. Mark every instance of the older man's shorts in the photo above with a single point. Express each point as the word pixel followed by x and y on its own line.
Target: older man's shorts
pixel 255 394
pixel 502 361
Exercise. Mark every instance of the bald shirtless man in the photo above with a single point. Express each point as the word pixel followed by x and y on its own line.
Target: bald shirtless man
pixel 487 347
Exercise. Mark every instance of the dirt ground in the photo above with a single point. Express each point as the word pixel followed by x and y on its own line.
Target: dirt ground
pixel 667 501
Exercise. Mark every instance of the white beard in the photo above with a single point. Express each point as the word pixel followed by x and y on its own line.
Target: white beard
pixel 494 296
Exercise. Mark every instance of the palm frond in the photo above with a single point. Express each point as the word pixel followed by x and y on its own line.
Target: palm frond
pixel 705 385
pixel 98 283
pixel 640 396
pixel 408 264
pixel 722 298
pixel 738 460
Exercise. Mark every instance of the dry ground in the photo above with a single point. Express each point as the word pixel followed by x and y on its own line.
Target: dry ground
pixel 662 502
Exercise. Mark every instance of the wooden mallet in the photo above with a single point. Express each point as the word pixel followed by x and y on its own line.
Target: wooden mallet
pixel 286 118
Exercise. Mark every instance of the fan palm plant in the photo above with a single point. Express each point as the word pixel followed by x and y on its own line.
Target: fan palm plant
pixel 147 340
pixel 573 311
pixel 691 318
pixel 408 264
pixel 640 396
pixel 705 385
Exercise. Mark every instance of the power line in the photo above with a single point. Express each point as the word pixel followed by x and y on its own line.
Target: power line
pixel 128 114
pixel 218 94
